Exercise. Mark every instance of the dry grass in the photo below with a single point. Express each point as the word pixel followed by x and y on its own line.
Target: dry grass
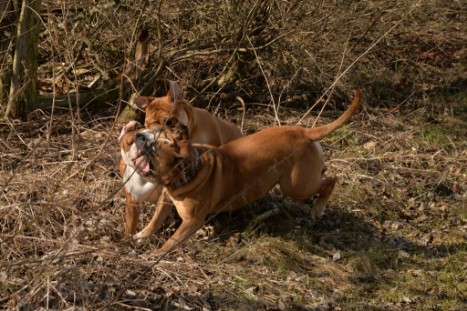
pixel 392 238
pixel 394 235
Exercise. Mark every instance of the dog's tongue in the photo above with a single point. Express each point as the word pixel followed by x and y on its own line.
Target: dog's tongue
pixel 142 165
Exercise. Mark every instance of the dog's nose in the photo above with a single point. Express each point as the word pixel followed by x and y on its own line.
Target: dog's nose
pixel 142 142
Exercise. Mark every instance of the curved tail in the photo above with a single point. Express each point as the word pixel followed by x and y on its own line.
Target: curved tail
pixel 317 133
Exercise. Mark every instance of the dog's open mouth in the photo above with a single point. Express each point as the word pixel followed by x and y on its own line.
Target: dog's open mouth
pixel 142 155
pixel 141 165
pixel 140 161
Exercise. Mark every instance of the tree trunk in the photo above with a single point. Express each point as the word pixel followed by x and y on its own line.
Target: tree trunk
pixel 9 17
pixel 131 76
pixel 23 92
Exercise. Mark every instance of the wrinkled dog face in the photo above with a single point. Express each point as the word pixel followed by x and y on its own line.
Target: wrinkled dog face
pixel 169 160
pixel 160 154
pixel 163 111
pixel 158 112
pixel 132 154
pixel 177 162
pixel 137 143
pixel 144 152
pixel 127 135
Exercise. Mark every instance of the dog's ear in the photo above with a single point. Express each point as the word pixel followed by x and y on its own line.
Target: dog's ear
pixel 175 92
pixel 177 133
pixel 184 148
pixel 180 112
pixel 132 126
pixel 129 127
pixel 181 132
pixel 178 146
pixel 142 102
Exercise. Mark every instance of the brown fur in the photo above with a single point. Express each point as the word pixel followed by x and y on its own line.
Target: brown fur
pixel 171 110
pixel 202 180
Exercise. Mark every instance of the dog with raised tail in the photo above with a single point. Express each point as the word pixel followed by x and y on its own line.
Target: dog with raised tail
pixel 202 179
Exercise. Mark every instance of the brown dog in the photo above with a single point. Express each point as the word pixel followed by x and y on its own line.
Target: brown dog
pixel 203 128
pixel 137 189
pixel 173 111
pixel 202 180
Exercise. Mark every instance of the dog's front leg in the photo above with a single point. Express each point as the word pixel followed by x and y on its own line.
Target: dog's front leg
pixel 163 208
pixel 186 229
pixel 132 211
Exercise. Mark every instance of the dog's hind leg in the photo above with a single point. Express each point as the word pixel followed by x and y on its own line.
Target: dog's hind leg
pixel 327 186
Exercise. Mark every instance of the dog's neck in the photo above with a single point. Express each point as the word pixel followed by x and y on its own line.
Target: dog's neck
pixel 189 172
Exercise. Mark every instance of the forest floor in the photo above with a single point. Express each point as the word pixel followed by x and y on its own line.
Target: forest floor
pixel 394 236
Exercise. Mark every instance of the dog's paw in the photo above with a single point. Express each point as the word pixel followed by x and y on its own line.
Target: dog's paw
pixel 312 200
pixel 316 213
pixel 159 252
pixel 138 237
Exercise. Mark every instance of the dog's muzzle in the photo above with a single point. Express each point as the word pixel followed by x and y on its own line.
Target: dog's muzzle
pixel 144 140
pixel 143 143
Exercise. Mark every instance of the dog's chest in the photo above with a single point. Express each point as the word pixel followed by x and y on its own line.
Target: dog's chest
pixel 140 188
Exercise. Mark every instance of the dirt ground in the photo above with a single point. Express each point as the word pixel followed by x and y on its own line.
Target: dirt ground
pixel 393 236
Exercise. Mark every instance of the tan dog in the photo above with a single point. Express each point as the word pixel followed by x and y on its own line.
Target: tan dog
pixel 202 180
pixel 171 110
pixel 203 128
pixel 137 189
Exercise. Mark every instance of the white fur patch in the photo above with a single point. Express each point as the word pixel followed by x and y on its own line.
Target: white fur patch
pixel 140 188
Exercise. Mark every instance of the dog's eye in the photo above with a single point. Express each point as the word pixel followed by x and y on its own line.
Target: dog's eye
pixel 170 122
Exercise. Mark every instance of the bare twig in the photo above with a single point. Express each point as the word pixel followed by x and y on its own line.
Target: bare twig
pixel 339 77
pixel 274 105
pixel 243 112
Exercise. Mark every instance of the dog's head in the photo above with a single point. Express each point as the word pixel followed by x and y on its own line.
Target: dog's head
pixel 130 153
pixel 169 158
pixel 127 135
pixel 170 110
pixel 160 154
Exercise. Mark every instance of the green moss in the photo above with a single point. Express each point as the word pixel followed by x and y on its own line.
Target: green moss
pixel 345 136
pixel 435 136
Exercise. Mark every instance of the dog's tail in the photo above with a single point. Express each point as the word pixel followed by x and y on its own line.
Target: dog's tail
pixel 317 133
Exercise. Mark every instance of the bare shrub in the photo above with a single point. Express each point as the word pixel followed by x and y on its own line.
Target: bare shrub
pixel 394 233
